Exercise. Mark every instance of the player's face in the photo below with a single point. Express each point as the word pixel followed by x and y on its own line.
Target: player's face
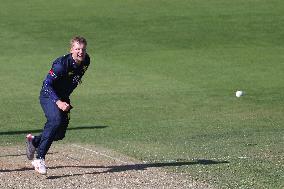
pixel 78 51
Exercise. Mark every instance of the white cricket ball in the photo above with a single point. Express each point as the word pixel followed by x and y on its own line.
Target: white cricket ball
pixel 239 93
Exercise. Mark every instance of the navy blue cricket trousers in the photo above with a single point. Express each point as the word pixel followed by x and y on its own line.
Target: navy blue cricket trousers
pixel 55 126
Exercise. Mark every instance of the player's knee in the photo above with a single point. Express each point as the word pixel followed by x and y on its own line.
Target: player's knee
pixel 59 137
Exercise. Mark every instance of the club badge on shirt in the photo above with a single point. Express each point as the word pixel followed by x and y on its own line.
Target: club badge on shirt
pixel 70 73
pixel 51 72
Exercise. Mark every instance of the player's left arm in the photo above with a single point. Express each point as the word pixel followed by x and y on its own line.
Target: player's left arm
pixel 85 67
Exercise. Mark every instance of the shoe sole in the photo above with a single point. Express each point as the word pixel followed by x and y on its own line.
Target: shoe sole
pixel 30 155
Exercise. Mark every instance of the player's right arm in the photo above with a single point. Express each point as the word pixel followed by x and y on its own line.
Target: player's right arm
pixel 57 70
pixel 54 74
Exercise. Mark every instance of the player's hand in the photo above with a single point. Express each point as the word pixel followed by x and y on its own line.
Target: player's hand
pixel 64 106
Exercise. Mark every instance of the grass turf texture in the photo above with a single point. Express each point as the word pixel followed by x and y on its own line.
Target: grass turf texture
pixel 161 83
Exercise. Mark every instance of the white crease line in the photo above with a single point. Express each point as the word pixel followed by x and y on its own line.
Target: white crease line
pixel 98 153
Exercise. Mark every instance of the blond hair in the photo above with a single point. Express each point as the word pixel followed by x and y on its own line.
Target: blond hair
pixel 78 39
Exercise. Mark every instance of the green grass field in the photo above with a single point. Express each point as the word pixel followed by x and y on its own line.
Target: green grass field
pixel 162 81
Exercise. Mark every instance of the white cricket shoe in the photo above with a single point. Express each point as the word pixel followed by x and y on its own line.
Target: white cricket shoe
pixel 30 149
pixel 39 166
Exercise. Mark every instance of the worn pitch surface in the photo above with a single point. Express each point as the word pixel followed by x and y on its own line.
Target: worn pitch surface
pixel 77 166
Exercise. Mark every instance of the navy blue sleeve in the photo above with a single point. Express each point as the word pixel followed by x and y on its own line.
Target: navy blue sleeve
pixel 55 73
pixel 86 64
pixel 85 67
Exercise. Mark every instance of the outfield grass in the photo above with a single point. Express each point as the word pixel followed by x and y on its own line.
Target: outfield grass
pixel 161 83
